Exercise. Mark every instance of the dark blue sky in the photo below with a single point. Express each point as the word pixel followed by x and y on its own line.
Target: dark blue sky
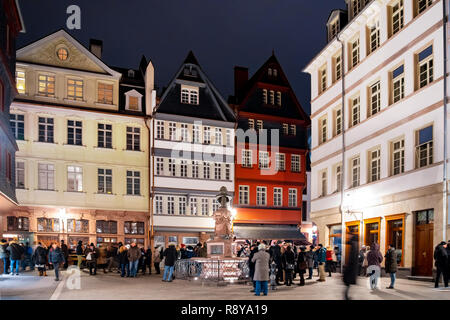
pixel 222 34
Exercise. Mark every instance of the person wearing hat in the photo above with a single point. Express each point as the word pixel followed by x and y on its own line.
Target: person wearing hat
pixel 441 263
pixel 261 275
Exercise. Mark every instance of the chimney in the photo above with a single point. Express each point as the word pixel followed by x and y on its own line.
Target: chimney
pixel 96 47
pixel 240 79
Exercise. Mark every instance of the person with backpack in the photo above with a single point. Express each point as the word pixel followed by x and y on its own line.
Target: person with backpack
pixel 16 252
pixel 55 258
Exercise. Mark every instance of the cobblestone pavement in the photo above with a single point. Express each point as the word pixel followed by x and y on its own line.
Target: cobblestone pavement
pixel 112 286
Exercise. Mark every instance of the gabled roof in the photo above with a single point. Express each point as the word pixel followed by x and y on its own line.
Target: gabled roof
pixel 37 51
pixel 211 103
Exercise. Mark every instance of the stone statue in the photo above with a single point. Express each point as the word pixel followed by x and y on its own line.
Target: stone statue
pixel 222 216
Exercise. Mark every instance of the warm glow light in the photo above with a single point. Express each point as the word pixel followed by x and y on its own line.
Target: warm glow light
pixel 233 213
pixel 314 228
pixel 62 212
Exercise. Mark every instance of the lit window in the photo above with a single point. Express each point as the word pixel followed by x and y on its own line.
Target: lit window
pixel 292 129
pixel 62 54
pixel 74 179
pixel 133 103
pixel 251 124
pixel 46 176
pixel 189 95
pixel 279 98
pixel 259 125
pixel 75 89
pixel 46 85
pixel 105 93
pixel 285 129
pixel 264 96
pixel 20 81
pixel 272 97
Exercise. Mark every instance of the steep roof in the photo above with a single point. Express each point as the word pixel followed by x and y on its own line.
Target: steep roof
pixel 211 104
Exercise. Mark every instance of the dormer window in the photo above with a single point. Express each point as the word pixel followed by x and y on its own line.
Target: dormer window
pixel 275 72
pixel 133 101
pixel 334 29
pixel 130 73
pixel 62 54
pixel 269 71
pixel 189 95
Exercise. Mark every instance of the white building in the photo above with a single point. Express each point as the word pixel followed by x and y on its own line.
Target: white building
pixel 379 137
pixel 193 157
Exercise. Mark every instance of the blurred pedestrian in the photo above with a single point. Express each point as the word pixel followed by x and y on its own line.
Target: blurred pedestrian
pixel 55 258
pixel 321 258
pixel 4 256
pixel 390 264
pixel 79 253
pixel 361 261
pixel 147 261
pixel 15 255
pixel 157 260
pixel 102 262
pixel 251 264
pixel 40 259
pixel 261 276
pixel 310 261
pixel 351 270
pixel 302 265
pixel 441 263
pixel 65 251
pixel 91 259
pixel 374 258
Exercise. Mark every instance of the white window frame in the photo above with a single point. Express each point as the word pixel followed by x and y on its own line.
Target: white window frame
pixel 189 95
pixel 278 197
pixel 263 162
pixel 374 104
pixel 295 163
pixel 244 195
pixel 261 196
pixel 135 94
pixel 74 174
pixel 398 156
pixel 293 200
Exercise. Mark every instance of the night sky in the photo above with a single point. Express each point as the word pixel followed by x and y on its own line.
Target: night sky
pixel 222 34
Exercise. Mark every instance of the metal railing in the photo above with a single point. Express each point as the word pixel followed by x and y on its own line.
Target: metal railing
pixel 228 270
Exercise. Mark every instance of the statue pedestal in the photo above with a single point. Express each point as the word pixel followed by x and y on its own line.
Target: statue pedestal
pixel 221 245
pixel 220 248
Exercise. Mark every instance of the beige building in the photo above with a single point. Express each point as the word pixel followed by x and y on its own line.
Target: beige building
pixel 82 169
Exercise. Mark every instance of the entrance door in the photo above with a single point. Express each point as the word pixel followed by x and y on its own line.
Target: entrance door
pixel 352 230
pixel 423 265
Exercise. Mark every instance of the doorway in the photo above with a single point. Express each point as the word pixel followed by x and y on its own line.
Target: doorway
pixel 423 255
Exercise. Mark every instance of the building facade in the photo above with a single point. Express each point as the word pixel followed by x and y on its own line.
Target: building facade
pixel 10 25
pixel 192 154
pixel 270 159
pixel 81 127
pixel 377 112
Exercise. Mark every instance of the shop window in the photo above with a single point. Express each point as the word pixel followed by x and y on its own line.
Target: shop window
pixel 192 241
pixel 335 236
pixel 78 226
pixel 106 240
pixel 395 235
pixel 18 223
pixel 372 231
pixel 109 227
pixel 48 225
pixel 134 227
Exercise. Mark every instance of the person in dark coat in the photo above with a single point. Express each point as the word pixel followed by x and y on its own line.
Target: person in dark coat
pixel 55 258
pixel 302 264
pixel 147 261
pixel 275 255
pixel 310 261
pixel 91 259
pixel 441 263
pixel 351 270
pixel 288 261
pixel 390 264
pixel 4 256
pixel 123 262
pixel 374 258
pixel 79 253
pixel 65 251
pixel 251 264
pixel 40 259
pixel 170 256
pixel 15 255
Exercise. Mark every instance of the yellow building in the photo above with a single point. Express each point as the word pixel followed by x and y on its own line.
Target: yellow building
pixel 83 164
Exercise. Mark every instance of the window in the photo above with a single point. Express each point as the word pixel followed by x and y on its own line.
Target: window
pixel 280 161
pixel 18 223
pixel 333 29
pixel 46 176
pixel 105 93
pixel 323 183
pixel 206 170
pixel 133 183
pixel 293 130
pixel 264 160
pixel 335 236
pixel 104 181
pixel 184 132
pixel 20 175
pixel 159 129
pixel 17 122
pixel 394 235
pixel 269 71
pixel 272 97
pixel 337 67
pixel 173 131
pixel 227 172
pixel 261 196
pixel 20 81
pixel 398 84
pixel 74 179
pixel 138 241
pixel 295 163
pixel 101 240
pixel 285 129
pixel 424 147
pixel 206 135
pixel 171 205
pixel 182 205
pixel 133 103
pixel 78 226
pixel 354 111
pixel 374 165
pixel 183 168
pixel 131 227
pixel 259 124
pixel 159 166
pixel 279 98
pixel 205 207
pixel 48 225
pixel 192 241
pixel 74 132
pixel 193 206
pixel 422 5
pixel 75 89
pixel 158 204
pixel 374 96
pixel 337 121
pixel 264 93
pixel 218 136
pixel 374 36
pixel 357 6
pixel 46 129
pixel 396 17
pixel 277 197
pixel 194 169
pixel 322 130
pixel 338 175
pixel 246 158
pixel 397 157
pixel 372 232
pixel 172 169
pixel 251 124
pixel 215 205
pixel 189 95
pixel 62 54
pixel 133 139
pixel 46 85
pixel 104 135
pixel 196 133
pixel 228 137
pixel 292 197
pixel 425 67
pixel 354 166
pixel 243 194
pixel 217 171
pixel 323 79
pixel 354 53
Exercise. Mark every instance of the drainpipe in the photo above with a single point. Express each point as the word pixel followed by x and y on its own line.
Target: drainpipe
pixel 444 179
pixel 343 153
